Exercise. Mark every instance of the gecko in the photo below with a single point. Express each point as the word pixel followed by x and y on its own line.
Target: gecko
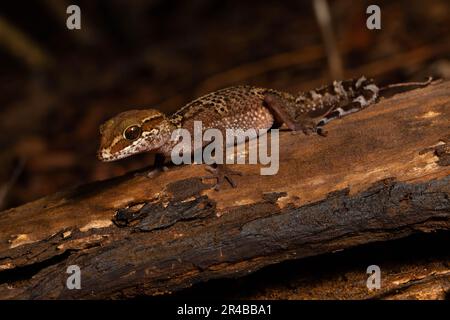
pixel 239 107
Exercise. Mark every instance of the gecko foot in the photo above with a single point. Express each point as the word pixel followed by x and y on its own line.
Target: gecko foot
pixel 322 132
pixel 309 128
pixel 221 172
pixel 159 167
pixel 152 173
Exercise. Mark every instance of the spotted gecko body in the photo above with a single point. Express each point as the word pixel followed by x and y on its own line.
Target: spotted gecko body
pixel 240 107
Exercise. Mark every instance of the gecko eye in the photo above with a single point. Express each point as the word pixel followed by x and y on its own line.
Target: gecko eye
pixel 132 132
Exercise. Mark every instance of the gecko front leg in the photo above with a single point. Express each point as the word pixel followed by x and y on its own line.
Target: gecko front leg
pixel 221 172
pixel 158 167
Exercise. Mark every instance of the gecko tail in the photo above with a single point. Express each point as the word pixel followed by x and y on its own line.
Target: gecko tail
pixel 338 113
pixel 346 97
pixel 362 94
pixel 407 84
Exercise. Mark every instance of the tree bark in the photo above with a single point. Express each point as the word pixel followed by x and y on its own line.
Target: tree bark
pixel 380 174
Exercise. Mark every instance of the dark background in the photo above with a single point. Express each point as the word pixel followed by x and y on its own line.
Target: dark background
pixel 57 86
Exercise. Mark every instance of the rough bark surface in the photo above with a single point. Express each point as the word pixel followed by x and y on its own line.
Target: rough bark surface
pixel 379 175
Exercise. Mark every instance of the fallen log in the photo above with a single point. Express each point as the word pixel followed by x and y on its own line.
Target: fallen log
pixel 380 174
pixel 414 267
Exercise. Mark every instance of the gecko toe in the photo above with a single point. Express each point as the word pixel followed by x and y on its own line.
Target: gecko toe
pixel 221 173
pixel 153 173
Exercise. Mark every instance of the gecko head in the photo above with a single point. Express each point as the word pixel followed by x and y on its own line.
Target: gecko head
pixel 133 132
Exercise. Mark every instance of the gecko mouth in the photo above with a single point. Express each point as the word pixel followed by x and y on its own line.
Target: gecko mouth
pixel 106 156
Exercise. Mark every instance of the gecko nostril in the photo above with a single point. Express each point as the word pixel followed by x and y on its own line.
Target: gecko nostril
pixel 99 155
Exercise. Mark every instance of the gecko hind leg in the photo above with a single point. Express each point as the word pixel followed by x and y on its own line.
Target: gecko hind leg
pixel 276 106
pixel 221 172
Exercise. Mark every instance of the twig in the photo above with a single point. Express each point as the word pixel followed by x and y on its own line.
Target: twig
pixel 323 16
pixel 18 43
pixel 407 84
pixel 12 180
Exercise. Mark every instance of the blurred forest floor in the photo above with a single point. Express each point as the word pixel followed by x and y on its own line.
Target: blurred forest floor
pixel 57 86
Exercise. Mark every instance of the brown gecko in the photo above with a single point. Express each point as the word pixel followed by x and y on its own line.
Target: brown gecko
pixel 240 107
